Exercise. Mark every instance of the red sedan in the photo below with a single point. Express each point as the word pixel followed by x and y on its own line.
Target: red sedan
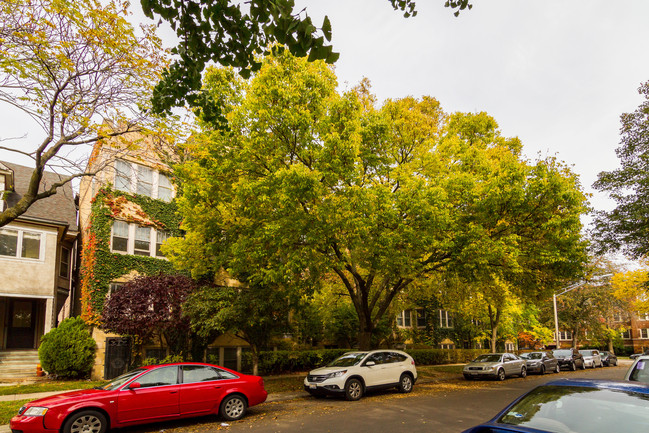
pixel 147 394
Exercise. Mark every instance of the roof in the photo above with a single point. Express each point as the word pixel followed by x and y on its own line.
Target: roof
pixel 58 209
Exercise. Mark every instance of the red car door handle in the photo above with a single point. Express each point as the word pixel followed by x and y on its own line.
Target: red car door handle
pixel 217 387
pixel 172 392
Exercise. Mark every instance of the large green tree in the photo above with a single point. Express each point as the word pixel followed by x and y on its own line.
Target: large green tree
pixel 235 33
pixel 626 227
pixel 310 182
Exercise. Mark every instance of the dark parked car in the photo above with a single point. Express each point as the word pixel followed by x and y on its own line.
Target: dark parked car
pixel 540 362
pixel 608 358
pixel 569 358
pixel 575 406
pixel 144 395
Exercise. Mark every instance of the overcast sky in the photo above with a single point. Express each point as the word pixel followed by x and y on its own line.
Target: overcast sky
pixel 555 73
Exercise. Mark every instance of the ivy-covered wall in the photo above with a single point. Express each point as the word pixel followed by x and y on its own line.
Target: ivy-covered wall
pixel 99 266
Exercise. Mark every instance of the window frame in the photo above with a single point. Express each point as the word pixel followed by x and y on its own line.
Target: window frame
pixel 135 179
pixel 445 319
pixel 130 241
pixel 20 244
pixel 65 264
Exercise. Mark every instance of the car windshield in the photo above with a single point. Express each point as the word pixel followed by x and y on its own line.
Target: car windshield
pixel 586 352
pixel 487 358
pixel 347 360
pixel 563 353
pixel 121 380
pixel 578 409
pixel 533 355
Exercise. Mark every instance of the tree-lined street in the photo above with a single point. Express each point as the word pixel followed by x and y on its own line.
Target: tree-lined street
pixel 444 407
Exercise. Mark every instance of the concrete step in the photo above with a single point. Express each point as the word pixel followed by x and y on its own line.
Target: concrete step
pixel 18 364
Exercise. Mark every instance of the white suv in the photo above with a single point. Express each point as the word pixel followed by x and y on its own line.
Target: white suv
pixel 355 373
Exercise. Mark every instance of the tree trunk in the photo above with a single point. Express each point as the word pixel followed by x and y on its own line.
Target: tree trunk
pixel 494 321
pixel 255 359
pixel 365 340
pixel 610 345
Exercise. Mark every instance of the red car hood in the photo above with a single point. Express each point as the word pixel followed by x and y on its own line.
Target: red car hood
pixel 68 397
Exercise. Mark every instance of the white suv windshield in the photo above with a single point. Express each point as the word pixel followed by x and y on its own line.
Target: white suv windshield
pixel 347 360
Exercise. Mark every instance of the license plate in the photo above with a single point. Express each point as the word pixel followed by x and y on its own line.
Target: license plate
pixel 313 386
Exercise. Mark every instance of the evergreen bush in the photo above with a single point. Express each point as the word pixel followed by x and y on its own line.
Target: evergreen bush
pixel 69 350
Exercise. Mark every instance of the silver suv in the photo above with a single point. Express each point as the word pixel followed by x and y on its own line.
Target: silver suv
pixel 355 373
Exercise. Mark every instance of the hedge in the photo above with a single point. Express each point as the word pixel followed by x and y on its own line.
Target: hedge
pixel 288 361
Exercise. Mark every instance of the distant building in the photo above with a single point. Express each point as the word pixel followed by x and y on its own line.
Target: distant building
pixel 38 256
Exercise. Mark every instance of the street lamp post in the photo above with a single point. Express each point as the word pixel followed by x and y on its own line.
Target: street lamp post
pixel 563 292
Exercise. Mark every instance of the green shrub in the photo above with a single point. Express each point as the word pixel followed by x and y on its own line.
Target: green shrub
pixel 68 350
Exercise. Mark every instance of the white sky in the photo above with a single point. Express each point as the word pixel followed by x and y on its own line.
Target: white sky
pixel 555 73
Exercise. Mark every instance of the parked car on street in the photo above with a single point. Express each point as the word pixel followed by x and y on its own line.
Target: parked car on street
pixel 355 373
pixel 639 371
pixel 144 395
pixel 575 406
pixel 608 358
pixel 495 366
pixel 569 358
pixel 592 358
pixel 540 362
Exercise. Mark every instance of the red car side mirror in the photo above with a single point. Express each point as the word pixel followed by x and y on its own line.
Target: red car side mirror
pixel 134 385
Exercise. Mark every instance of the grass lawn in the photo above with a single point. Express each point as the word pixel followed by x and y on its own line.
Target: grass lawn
pixel 46 386
pixel 8 409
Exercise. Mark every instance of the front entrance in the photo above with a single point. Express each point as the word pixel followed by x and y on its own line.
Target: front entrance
pixel 22 324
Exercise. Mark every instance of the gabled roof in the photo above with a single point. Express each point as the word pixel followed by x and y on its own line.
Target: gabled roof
pixel 58 209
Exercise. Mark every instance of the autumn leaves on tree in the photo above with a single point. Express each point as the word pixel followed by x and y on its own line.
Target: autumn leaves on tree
pixel 308 182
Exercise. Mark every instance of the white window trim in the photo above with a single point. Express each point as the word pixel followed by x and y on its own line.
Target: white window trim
pixel 19 246
pixel 130 243
pixel 134 179
pixel 644 333
pixel 444 319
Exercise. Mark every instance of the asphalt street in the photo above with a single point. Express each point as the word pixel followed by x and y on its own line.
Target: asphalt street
pixel 445 407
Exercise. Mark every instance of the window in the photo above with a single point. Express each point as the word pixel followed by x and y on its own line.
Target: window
pixel 20 244
pixel 421 318
pixel 135 239
pixel 199 373
pixel 123 176
pixel 139 179
pixel 404 320
pixel 165 190
pixel 643 316
pixel 161 237
pixel 644 333
pixel 8 242
pixel 144 181
pixel 159 377
pixel 445 319
pixel 447 346
pixel 626 334
pixel 407 318
pixel 120 236
pixel 565 335
pixel 64 266
pixel 142 244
